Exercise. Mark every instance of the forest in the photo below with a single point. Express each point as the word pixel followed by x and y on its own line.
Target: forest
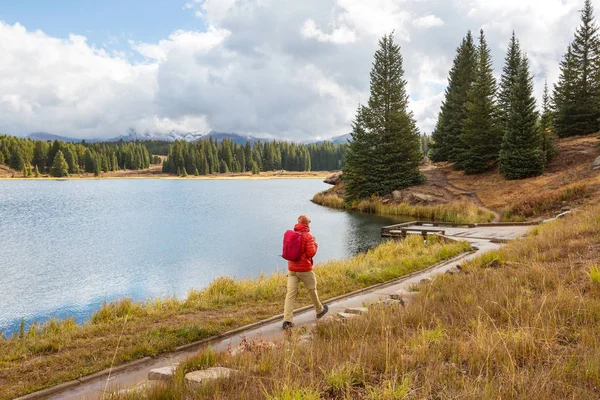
pixel 209 156
pixel 482 124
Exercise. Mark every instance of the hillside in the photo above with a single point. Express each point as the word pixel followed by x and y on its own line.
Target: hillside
pixel 567 181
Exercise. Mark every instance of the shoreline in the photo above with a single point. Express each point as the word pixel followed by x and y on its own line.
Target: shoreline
pixel 38 360
pixel 262 176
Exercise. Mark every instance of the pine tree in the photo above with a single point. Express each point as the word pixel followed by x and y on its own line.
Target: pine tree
pixel 521 155
pixel 97 165
pixel 178 171
pixel 36 172
pixel 255 169
pixel 16 160
pixel 184 172
pixel 359 183
pixel 224 169
pixel 547 137
pixel 512 63
pixel 196 173
pixel 481 135
pixel 393 140
pixel 1 158
pixel 60 168
pixel 577 94
pixel 446 145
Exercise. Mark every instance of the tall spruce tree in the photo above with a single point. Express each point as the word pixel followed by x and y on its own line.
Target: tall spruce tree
pixel 577 93
pixel 446 146
pixel 512 63
pixel 59 168
pixel 393 146
pixel 359 183
pixel 521 155
pixel 547 137
pixel 481 136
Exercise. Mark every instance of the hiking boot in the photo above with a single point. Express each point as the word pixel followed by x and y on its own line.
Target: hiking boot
pixel 322 313
pixel 287 325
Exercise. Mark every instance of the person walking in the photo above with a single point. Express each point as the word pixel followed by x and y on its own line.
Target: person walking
pixel 300 269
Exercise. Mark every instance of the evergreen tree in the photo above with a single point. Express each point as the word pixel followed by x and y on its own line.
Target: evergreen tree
pixel 394 153
pixel 481 136
pixel 255 169
pixel 60 168
pixel 36 172
pixel 178 171
pixel 1 158
pixel 16 161
pixel 521 155
pixel 358 179
pixel 184 172
pixel 196 173
pixel 97 166
pixel 577 93
pixel 449 127
pixel 547 137
pixel 223 168
pixel 512 63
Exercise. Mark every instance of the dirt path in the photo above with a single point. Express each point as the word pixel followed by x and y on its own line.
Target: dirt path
pixel 437 178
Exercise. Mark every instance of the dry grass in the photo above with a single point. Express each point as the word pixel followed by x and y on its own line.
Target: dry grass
pixel 460 212
pixel 61 350
pixel 523 326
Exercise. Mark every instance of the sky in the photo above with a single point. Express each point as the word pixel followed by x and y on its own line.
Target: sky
pixel 272 68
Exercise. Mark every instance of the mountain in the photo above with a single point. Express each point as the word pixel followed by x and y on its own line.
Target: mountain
pixel 342 139
pixel 49 136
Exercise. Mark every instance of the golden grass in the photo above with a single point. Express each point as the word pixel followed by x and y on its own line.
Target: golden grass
pixel 460 212
pixel 536 204
pixel 522 326
pixel 59 351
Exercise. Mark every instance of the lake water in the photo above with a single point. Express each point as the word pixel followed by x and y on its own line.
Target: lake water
pixel 68 246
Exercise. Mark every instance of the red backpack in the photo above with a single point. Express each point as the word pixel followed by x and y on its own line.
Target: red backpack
pixel 292 246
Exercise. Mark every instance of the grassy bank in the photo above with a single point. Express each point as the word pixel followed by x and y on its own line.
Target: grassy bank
pixel 462 212
pixel 61 350
pixel 521 322
pixel 537 204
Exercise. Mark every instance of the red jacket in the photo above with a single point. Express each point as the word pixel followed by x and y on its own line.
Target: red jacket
pixel 309 249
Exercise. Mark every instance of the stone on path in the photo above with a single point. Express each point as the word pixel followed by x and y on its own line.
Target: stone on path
pixel 346 316
pixel 357 310
pixel 404 296
pixel 390 302
pixel 328 318
pixel 162 374
pixel 197 378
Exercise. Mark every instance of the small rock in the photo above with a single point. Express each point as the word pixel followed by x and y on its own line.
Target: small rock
pixel 357 310
pixel 404 296
pixel 565 209
pixel 328 318
pixel 397 195
pixel 334 179
pixel 495 263
pixel 346 316
pixel 197 378
pixel 596 164
pixel 306 338
pixel 391 302
pixel 162 374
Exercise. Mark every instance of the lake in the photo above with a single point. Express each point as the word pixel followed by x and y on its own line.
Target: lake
pixel 68 246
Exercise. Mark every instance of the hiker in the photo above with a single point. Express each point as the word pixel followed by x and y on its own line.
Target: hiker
pixel 299 249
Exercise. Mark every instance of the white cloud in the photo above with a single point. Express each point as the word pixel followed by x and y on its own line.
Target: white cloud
pixel 428 21
pixel 283 68
pixel 340 35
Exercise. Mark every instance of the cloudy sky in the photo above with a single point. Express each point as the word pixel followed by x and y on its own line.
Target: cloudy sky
pixel 293 69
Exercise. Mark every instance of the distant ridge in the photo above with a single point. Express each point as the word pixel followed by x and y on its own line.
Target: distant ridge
pixel 342 139
pixel 51 137
pixel 172 136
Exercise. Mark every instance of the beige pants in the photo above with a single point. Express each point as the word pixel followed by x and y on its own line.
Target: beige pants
pixel 310 282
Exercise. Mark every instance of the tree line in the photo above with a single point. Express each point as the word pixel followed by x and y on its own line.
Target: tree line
pixel 480 124
pixel 209 156
pixel 60 159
